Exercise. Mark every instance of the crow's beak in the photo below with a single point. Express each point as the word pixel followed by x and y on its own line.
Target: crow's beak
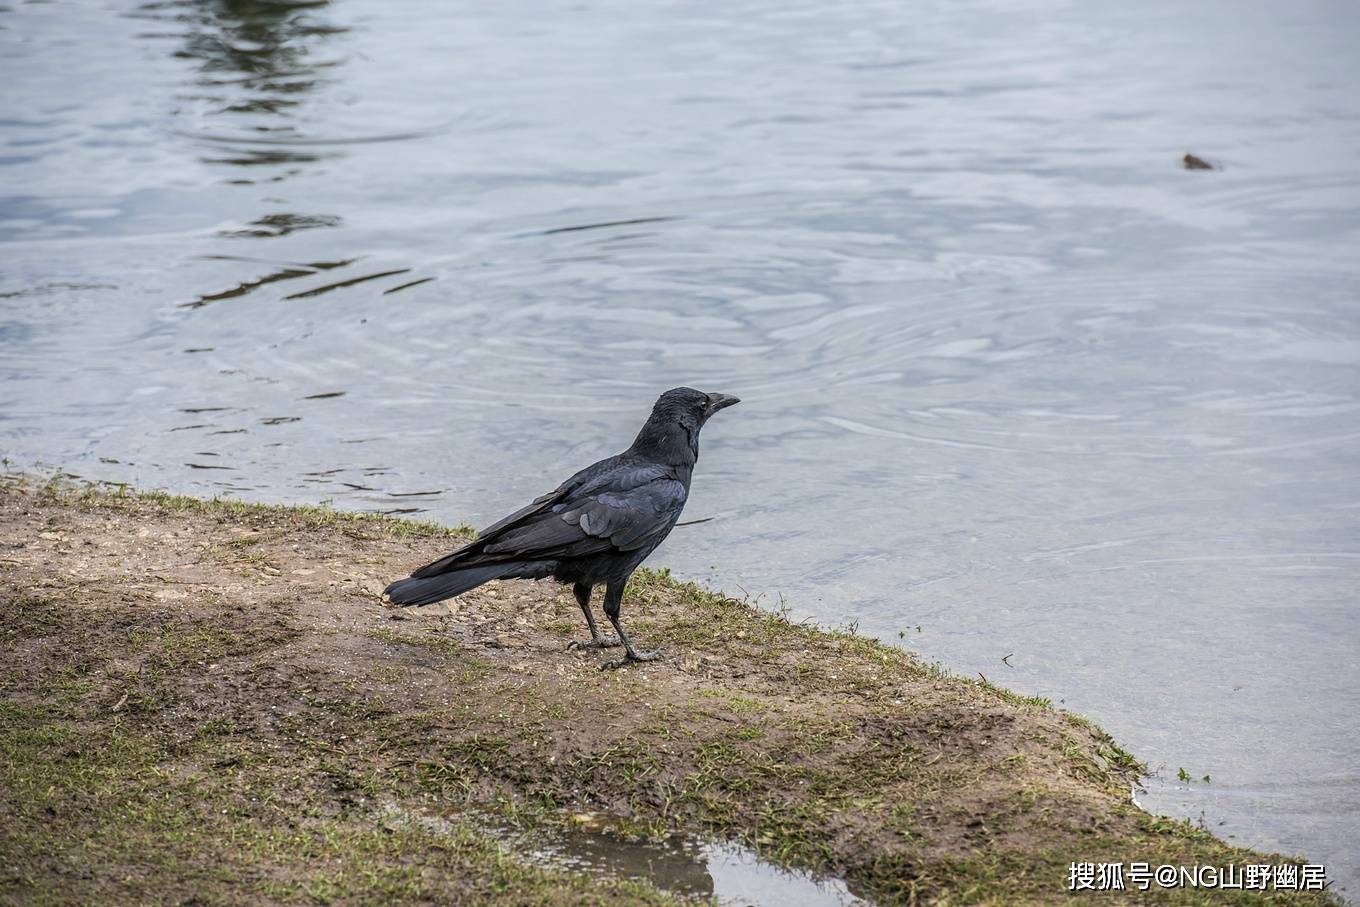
pixel 720 401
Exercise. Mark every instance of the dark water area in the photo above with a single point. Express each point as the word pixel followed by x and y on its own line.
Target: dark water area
pixel 1016 383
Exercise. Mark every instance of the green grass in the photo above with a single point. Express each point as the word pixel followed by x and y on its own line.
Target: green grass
pixel 309 516
pixel 212 810
pixel 104 798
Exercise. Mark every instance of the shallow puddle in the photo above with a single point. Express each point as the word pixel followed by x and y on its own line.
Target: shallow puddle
pixel 731 873
pixel 687 866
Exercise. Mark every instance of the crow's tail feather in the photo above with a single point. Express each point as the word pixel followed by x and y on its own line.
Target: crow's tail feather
pixel 430 589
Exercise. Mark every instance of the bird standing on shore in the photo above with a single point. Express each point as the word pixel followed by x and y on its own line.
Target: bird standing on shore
pixel 596 527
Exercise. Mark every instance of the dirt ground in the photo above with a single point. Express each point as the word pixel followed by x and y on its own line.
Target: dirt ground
pixel 209 702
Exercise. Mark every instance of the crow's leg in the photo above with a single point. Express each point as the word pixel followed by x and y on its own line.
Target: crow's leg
pixel 582 593
pixel 613 601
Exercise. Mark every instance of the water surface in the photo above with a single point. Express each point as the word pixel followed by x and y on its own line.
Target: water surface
pixel 1016 385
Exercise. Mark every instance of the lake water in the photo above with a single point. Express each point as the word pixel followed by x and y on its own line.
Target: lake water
pixel 1015 383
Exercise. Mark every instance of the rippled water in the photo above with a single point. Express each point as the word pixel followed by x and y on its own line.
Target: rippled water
pixel 1015 383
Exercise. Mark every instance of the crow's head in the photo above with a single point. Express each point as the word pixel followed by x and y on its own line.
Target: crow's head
pixel 689 407
pixel 673 427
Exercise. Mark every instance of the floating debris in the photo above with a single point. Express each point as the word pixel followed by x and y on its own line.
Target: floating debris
pixel 275 225
pixel 305 294
pixel 1196 163
pixel 603 225
pixel 289 272
pixel 405 286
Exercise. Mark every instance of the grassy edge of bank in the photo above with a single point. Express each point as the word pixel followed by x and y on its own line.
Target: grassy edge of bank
pixel 259 728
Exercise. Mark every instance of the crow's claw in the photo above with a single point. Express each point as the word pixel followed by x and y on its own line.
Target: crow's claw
pixel 599 642
pixel 630 657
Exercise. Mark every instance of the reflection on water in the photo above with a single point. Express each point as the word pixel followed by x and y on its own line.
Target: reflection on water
pixel 1011 373
pixel 286 272
pixel 253 58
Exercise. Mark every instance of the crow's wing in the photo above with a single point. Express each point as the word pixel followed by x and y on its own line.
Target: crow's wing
pixel 468 554
pixel 611 504
pixel 541 503
pixel 620 510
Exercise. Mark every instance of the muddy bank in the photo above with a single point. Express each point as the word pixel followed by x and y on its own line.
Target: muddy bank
pixel 209 703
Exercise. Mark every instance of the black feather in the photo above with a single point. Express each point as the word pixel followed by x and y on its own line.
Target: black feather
pixel 429 589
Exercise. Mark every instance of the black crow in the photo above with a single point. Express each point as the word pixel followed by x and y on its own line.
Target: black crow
pixel 596 527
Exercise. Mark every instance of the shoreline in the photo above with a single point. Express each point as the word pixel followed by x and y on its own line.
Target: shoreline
pixel 209 699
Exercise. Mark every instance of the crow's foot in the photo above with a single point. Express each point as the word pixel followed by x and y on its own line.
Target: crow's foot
pixel 630 657
pixel 599 642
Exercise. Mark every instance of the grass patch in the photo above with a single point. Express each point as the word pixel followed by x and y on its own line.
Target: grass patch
pixel 170 724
